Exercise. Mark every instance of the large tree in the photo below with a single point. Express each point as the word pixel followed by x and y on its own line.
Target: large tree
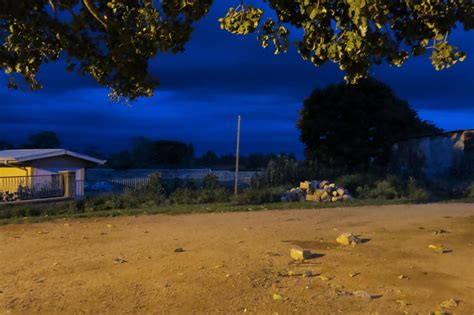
pixel 113 40
pixel 352 126
pixel 43 140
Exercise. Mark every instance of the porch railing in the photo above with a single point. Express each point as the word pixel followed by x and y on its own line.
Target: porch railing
pixel 17 188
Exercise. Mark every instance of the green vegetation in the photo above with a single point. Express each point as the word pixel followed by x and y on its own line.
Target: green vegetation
pixel 352 127
pixel 75 209
pixel 210 196
pixel 113 41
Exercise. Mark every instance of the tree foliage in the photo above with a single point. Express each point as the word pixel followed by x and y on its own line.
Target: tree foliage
pixel 351 126
pixel 43 140
pixel 113 40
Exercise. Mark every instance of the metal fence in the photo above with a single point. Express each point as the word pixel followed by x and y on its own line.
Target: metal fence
pixel 112 185
pixel 17 188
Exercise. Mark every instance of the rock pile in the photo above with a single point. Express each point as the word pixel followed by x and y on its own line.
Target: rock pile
pixel 318 191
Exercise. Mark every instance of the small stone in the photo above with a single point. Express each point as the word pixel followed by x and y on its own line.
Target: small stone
pixel 362 294
pixel 439 313
pixel 348 239
pixel 437 248
pixel 307 274
pixel 110 226
pixel 402 302
pixel 354 274
pixel 402 277
pixel 179 250
pixel 300 254
pixel 324 278
pixel 449 303
pixel 277 297
pixel 119 261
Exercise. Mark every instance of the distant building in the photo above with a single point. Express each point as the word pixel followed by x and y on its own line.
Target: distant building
pixel 435 156
pixel 31 173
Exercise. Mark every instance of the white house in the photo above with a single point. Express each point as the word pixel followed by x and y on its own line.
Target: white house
pixel 33 167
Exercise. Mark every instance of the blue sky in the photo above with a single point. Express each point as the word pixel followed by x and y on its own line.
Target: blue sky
pixel 203 90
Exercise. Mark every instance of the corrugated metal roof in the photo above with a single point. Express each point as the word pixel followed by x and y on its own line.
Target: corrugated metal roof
pixel 24 155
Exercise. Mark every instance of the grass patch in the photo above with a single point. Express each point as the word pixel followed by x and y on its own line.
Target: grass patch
pixel 61 210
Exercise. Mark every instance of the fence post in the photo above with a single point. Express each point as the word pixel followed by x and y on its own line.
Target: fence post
pixel 69 180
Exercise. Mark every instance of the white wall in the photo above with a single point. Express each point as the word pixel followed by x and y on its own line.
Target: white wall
pixel 54 165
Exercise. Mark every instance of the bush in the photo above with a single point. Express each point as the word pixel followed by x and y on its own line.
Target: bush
pixel 416 192
pixel 354 181
pixel 283 170
pixel 470 190
pixel 211 181
pixel 383 189
pixel 394 187
pixel 199 196
pixel 260 196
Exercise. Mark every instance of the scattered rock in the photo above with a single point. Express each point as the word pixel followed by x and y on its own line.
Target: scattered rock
pixel 402 277
pixel 437 248
pixel 324 278
pixel 362 294
pixel 307 274
pixel 449 303
pixel 440 231
pixel 110 226
pixel 119 261
pixel 300 254
pixel 402 302
pixel 42 232
pixel 354 274
pixel 179 250
pixel 277 297
pixel 348 239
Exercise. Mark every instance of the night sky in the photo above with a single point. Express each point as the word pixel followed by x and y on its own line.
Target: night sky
pixel 219 76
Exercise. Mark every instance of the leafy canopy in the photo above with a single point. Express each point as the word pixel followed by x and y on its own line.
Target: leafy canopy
pixel 348 127
pixel 113 40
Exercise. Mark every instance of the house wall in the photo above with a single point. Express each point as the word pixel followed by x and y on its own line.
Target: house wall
pixel 11 184
pixel 435 156
pixel 54 165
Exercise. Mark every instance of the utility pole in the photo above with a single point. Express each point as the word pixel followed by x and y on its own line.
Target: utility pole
pixel 236 185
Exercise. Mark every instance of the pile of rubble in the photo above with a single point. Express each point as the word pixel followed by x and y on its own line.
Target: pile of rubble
pixel 318 191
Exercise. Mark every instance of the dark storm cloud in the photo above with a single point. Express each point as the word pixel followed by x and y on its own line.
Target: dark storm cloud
pixel 203 90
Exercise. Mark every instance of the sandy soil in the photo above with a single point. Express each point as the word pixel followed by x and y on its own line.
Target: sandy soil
pixel 235 262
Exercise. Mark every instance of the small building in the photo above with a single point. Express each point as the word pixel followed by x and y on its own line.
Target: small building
pixel 36 173
pixel 435 156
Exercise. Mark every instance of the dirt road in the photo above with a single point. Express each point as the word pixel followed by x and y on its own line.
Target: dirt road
pixel 235 262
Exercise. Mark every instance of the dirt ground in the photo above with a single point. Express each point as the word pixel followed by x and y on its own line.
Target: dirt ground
pixel 234 263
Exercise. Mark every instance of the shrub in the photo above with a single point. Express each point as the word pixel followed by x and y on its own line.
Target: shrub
pixel 199 196
pixel 470 190
pixel 282 171
pixel 416 192
pixel 354 181
pixel 211 181
pixel 260 196
pixel 383 189
pixel 183 196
